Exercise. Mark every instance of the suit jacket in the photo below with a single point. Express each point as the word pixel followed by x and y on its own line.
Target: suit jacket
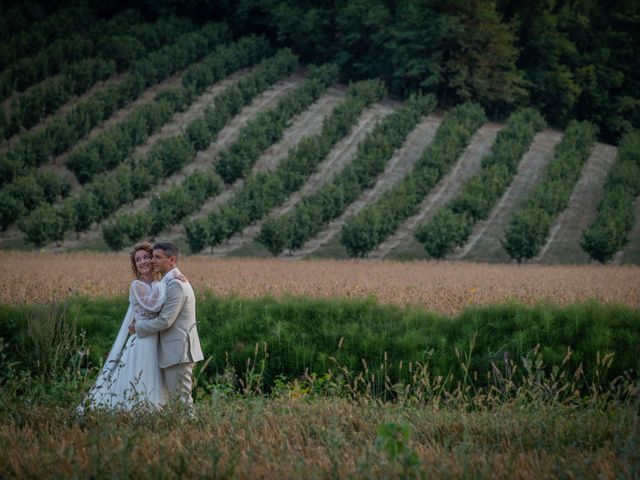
pixel 176 325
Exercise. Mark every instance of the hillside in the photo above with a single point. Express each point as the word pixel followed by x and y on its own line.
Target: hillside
pixel 232 148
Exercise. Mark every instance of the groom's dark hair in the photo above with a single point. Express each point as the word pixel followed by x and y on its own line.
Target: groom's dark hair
pixel 169 248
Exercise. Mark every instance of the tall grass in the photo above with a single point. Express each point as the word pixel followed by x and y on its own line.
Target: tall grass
pixel 524 418
pixel 299 335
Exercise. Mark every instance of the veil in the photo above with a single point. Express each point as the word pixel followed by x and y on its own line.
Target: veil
pixel 113 359
pixel 100 389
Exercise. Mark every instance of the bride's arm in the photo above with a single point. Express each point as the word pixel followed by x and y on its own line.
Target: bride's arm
pixel 149 297
pixel 175 299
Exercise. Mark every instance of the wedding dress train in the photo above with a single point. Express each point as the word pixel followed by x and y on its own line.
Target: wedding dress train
pixel 130 376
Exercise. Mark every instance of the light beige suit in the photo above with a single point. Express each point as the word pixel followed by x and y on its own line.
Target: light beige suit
pixel 179 344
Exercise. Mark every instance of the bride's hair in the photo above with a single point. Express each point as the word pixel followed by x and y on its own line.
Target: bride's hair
pixel 147 247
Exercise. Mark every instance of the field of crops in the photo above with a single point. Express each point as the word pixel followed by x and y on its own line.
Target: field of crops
pixel 446 287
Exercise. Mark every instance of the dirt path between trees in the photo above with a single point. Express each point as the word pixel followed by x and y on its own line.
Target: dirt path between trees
pixel 563 244
pixel 398 166
pixel 339 156
pixel 484 243
pixel 306 123
pixel 467 165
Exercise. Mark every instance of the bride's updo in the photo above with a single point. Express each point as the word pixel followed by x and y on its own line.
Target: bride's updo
pixel 147 247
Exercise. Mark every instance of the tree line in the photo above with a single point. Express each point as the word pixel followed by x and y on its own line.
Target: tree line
pixel 569 59
pixel 610 230
pixel 452 225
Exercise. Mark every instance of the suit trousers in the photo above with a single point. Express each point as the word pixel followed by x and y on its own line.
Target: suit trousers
pixel 178 379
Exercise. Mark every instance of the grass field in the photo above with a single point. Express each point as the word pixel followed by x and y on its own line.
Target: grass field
pixel 291 387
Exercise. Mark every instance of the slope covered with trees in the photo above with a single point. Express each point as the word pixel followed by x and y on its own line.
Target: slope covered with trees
pixel 200 134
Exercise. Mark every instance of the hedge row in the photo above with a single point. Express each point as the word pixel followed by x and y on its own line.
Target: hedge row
pixel 108 55
pixel 609 232
pixel 451 226
pixel 303 335
pixel 310 216
pixel 113 146
pixel 267 128
pixel 37 147
pixel 363 232
pixel 102 197
pixel 170 207
pixel 529 226
pixel 165 209
pixel 47 97
pixel 33 37
pixel 263 191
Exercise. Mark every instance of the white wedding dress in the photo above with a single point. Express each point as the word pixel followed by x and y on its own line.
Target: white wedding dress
pixel 130 376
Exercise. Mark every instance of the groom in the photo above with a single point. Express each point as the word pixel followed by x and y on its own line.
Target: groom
pixel 179 346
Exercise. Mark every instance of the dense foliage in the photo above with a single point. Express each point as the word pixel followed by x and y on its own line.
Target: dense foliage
pixel 368 228
pixel 29 27
pixel 531 223
pixel 609 232
pixel 568 59
pixel 263 191
pixel 451 226
pixel 301 335
pixel 83 60
pixel 315 211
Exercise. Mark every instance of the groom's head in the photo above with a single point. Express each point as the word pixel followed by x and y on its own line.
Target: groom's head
pixel 165 257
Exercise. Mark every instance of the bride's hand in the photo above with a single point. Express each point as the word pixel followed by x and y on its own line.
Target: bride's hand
pixel 181 277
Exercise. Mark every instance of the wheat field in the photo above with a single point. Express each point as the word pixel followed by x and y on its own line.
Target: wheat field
pixel 446 287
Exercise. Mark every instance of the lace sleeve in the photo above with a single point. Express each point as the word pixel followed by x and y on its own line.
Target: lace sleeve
pixel 147 300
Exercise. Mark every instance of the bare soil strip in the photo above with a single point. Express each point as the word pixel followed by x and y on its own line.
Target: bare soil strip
pixel 446 287
pixel 484 243
pixel 306 123
pixel 399 165
pixel 563 245
pixel 445 190
pixel 630 254
pixel 335 161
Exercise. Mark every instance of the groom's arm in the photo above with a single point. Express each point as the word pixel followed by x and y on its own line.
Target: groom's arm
pixel 168 313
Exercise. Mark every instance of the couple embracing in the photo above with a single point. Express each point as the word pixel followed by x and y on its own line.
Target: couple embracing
pixel 151 361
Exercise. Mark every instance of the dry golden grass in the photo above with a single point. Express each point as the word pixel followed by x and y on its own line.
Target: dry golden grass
pixel 447 287
pixel 326 438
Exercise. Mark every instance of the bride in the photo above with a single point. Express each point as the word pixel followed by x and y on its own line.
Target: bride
pixel 130 375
